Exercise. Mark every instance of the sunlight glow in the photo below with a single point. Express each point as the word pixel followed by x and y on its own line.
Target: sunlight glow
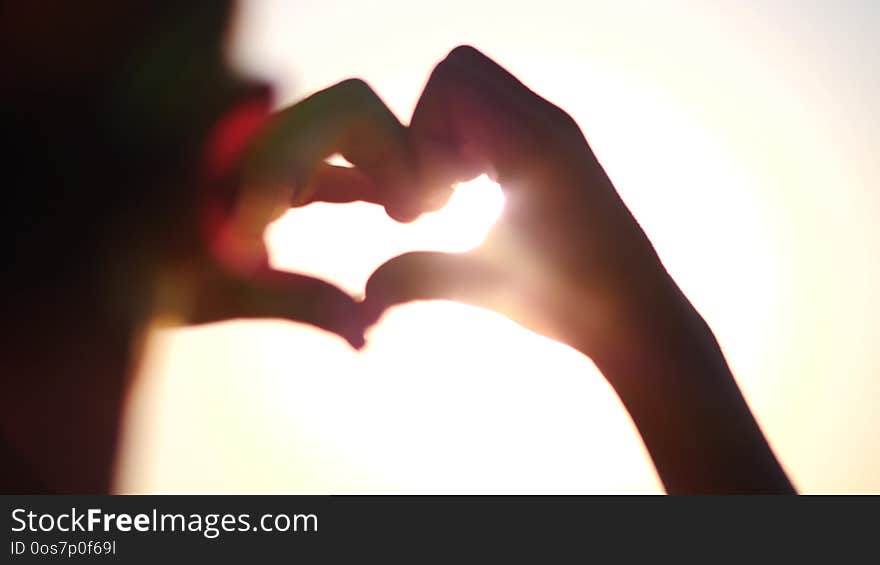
pixel 308 240
pixel 745 150
pixel 472 210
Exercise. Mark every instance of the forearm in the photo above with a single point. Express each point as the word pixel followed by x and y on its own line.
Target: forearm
pixel 676 385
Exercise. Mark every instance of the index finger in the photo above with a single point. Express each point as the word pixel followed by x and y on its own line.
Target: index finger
pixel 474 116
pixel 347 118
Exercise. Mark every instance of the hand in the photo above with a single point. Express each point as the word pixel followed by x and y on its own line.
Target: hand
pixel 284 166
pixel 566 258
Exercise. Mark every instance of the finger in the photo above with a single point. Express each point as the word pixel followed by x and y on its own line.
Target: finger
pixel 276 294
pixel 472 279
pixel 460 118
pixel 347 118
pixel 476 114
pixel 339 185
pixel 433 276
pixel 329 183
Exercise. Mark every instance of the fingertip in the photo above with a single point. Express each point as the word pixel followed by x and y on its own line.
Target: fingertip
pixel 357 342
pixel 464 52
pixel 403 213
pixel 344 319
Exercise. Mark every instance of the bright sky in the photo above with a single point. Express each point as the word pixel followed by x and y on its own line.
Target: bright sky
pixel 742 134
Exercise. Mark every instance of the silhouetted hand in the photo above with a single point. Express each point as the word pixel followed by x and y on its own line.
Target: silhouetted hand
pixel 568 260
pixel 284 166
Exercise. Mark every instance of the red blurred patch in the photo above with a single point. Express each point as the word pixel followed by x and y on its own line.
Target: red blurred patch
pixel 230 137
pixel 224 152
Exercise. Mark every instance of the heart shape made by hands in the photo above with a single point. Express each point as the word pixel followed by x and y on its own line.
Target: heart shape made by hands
pixel 567 261
pixel 307 240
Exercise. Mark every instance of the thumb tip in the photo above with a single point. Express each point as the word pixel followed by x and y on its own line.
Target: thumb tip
pixel 357 342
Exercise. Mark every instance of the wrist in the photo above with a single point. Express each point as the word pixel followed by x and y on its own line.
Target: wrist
pixel 647 319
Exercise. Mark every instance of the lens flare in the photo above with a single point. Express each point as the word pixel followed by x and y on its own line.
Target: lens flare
pixel 466 219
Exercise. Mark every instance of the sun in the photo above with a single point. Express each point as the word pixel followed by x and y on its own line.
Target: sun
pixel 344 243
pixel 464 222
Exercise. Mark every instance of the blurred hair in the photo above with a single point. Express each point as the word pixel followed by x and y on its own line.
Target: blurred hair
pixel 104 104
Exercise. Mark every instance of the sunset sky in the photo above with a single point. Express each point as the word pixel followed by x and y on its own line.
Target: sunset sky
pixel 744 137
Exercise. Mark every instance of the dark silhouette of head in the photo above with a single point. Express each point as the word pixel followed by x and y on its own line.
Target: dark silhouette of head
pixel 105 107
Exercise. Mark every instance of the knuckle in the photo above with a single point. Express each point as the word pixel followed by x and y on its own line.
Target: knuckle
pixel 462 57
pixel 359 99
pixel 560 116
pixel 464 53
pixel 356 88
pixel 466 63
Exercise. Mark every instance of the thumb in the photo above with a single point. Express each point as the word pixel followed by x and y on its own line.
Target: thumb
pixel 268 293
pixel 465 277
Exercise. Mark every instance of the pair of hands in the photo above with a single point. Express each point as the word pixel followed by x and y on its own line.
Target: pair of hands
pixel 566 259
